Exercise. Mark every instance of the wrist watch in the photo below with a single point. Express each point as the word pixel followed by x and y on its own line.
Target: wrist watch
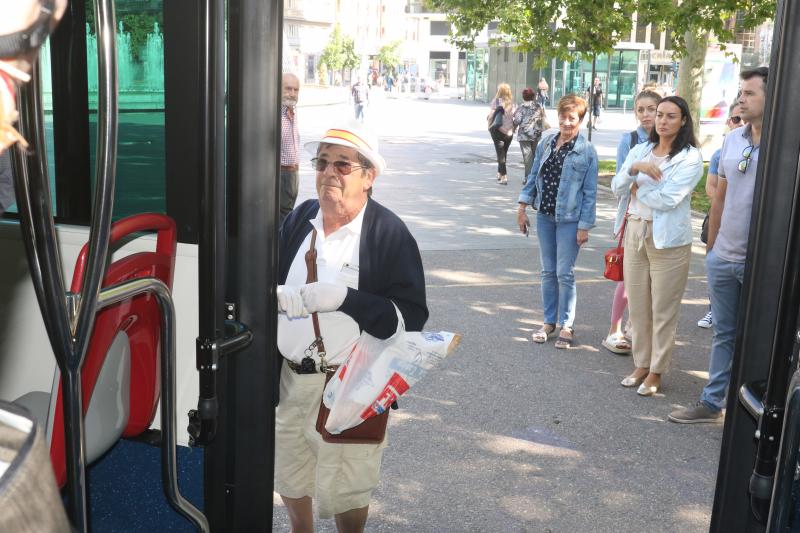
pixel 32 37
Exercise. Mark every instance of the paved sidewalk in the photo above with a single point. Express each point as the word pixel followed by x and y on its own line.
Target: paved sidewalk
pixel 508 435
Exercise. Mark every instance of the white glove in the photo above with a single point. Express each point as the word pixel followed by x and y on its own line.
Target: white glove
pixel 290 302
pixel 323 297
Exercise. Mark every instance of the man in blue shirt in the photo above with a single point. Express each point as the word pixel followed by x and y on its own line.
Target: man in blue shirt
pixel 734 121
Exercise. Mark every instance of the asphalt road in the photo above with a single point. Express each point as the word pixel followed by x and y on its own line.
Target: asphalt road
pixel 507 435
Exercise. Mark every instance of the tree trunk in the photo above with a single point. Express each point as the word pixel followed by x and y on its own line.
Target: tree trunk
pixel 690 74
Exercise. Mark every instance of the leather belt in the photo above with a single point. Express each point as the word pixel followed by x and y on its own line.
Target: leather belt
pixel 297 369
pixel 291 168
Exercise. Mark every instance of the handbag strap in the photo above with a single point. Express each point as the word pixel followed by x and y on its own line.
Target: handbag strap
pixel 311 277
pixel 624 223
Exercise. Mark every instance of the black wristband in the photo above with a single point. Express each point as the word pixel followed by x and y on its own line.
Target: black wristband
pixel 32 37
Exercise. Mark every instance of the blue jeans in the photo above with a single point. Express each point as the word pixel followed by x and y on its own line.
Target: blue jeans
pixel 359 112
pixel 725 286
pixel 558 249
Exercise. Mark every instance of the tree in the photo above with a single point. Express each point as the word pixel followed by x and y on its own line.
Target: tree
pixel 389 55
pixel 694 23
pixel 557 28
pixel 339 54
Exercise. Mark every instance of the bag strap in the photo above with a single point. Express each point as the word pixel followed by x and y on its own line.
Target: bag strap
pixel 624 223
pixel 311 277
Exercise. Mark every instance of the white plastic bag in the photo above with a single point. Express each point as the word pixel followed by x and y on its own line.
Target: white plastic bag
pixel 377 372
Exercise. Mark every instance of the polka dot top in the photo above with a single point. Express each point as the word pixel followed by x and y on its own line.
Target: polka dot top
pixel 551 175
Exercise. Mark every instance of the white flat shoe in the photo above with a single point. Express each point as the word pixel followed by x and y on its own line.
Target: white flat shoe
pixel 644 390
pixel 632 381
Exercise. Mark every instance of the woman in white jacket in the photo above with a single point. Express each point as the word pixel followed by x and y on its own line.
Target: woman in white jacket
pixel 658 178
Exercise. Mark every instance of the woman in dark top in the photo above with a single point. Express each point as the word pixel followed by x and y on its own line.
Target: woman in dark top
pixel 562 186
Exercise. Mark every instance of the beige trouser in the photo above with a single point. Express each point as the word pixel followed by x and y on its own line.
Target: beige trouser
pixel 655 281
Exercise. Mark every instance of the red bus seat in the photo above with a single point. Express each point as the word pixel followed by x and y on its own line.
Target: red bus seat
pixel 120 377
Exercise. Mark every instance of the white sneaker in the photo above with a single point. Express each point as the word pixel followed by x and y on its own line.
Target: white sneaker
pixel 706 322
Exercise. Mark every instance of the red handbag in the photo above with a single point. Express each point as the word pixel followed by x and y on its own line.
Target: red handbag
pixel 614 256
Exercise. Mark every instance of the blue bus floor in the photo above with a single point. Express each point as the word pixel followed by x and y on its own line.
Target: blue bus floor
pixel 125 492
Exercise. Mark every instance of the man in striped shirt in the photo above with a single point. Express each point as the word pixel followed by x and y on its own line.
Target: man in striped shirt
pixel 290 143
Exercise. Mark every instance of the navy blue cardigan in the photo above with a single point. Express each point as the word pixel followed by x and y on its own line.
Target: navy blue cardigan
pixel 390 269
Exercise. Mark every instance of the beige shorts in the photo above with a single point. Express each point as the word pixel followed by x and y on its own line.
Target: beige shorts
pixel 339 477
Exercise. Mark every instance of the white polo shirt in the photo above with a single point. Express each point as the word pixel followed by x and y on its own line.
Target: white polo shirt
pixel 337 262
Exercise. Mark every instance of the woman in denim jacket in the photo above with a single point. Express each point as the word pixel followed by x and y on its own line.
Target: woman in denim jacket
pixel 562 187
pixel 659 177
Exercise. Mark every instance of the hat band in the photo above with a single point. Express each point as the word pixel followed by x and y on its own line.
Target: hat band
pixel 347 136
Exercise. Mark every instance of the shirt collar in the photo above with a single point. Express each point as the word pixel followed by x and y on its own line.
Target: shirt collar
pixel 747 134
pixel 353 227
pixel 569 145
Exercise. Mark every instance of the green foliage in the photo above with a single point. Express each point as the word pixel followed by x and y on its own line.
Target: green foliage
pixel 699 17
pixel 558 27
pixel 137 25
pixel 555 28
pixel 389 55
pixel 340 52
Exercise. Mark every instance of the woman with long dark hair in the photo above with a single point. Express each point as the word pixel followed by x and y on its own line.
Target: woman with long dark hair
pixel 658 177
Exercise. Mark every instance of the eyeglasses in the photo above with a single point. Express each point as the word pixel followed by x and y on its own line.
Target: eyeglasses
pixel 343 168
pixel 735 120
pixel 747 154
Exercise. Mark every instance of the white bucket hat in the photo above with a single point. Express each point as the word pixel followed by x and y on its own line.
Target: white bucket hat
pixel 353 136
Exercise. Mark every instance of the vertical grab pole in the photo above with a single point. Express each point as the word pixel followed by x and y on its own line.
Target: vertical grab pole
pixel 39 235
pixel 69 327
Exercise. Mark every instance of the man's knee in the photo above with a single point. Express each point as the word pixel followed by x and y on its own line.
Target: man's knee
pixel 352 521
pixel 300 514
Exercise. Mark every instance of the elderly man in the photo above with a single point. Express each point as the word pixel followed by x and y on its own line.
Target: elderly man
pixel 369 275
pixel 290 143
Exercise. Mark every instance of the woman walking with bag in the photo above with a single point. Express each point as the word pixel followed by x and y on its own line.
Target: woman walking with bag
pixel 562 186
pixel 529 121
pixel 645 108
pixel 502 130
pixel 658 178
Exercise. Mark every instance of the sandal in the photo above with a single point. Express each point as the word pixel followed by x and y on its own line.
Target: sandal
pixel 546 331
pixel 617 343
pixel 563 342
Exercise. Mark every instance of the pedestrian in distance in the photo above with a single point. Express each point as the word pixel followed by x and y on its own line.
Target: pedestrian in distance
pixel 370 279
pixel 562 188
pixel 360 94
pixel 728 232
pixel 644 106
pixel 529 123
pixel 658 178
pixel 502 133
pixel 733 122
pixel 597 103
pixel 543 91
pixel 290 144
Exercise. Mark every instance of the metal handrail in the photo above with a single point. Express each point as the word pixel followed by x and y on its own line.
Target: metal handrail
pixel 751 401
pixel 124 291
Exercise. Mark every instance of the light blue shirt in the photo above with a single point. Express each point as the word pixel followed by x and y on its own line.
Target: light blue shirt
pixel 669 198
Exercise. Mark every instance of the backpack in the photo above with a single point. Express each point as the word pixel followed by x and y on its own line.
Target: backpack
pixel 634 138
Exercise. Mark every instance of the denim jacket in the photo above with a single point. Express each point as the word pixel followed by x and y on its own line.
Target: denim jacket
pixel 669 198
pixel 577 190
